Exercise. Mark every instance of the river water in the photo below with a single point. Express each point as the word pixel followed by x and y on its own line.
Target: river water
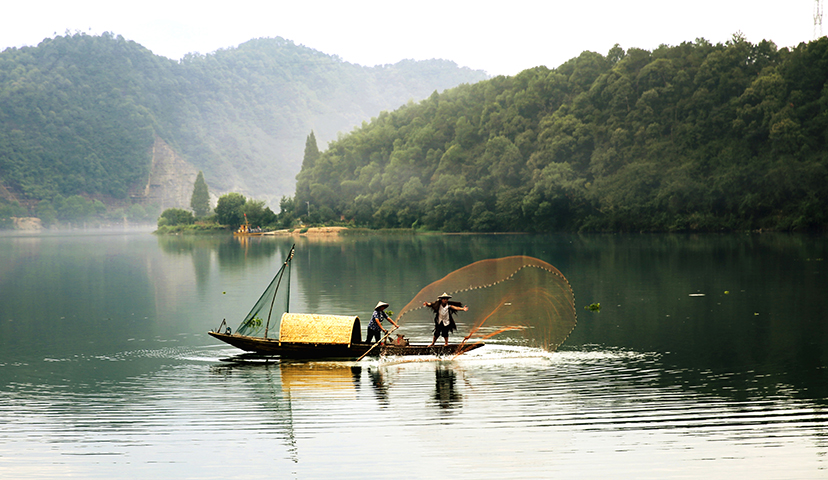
pixel 707 360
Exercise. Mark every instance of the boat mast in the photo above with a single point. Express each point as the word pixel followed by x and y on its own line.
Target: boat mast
pixel 287 301
pixel 273 300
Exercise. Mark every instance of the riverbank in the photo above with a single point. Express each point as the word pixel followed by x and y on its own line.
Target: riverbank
pixel 196 229
pixel 213 228
pixel 311 231
pixel 332 231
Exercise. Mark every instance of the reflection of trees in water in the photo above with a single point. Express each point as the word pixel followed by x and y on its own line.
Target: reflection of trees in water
pixel 762 296
pixel 201 265
pixel 445 391
pixel 362 269
pixel 230 251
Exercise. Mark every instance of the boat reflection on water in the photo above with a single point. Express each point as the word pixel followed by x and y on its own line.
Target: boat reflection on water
pixel 278 385
pixel 320 380
pixel 446 394
pixel 340 381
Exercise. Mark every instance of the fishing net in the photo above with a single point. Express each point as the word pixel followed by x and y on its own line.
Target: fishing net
pixel 521 299
pixel 263 319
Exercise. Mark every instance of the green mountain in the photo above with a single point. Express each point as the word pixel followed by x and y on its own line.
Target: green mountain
pixel 84 114
pixel 694 137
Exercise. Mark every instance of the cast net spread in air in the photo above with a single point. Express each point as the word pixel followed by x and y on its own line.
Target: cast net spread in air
pixel 523 298
pixel 263 319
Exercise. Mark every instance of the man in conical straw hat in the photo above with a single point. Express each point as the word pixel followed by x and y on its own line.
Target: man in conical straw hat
pixel 375 325
pixel 444 316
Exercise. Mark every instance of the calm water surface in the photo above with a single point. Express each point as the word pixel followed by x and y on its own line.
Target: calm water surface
pixel 106 370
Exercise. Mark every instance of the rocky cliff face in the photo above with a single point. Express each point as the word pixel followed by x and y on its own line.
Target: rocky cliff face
pixel 171 179
pixel 29 224
pixel 5 194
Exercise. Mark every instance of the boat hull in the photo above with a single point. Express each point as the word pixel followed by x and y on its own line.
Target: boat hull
pixel 272 347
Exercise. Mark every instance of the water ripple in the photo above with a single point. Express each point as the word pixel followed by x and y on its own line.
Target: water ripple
pixel 502 409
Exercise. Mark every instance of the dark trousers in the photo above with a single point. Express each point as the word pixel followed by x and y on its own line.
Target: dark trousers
pixel 441 330
pixel 372 334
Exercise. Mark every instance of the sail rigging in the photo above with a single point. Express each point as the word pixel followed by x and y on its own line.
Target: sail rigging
pixel 276 300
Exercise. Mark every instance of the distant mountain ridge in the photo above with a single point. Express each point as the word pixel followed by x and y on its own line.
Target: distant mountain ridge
pixel 80 114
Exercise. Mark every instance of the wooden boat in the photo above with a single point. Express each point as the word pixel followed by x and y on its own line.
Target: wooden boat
pixel 244 230
pixel 265 349
pixel 313 336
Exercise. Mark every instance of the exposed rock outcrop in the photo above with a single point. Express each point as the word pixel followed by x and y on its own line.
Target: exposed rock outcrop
pixel 29 224
pixel 171 179
pixel 5 194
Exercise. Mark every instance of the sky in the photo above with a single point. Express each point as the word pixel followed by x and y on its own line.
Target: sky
pixel 502 37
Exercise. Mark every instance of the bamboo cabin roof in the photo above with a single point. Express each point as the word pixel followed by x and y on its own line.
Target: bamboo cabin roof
pixel 324 329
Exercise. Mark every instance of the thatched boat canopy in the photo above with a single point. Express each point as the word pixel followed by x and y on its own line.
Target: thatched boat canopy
pixel 319 329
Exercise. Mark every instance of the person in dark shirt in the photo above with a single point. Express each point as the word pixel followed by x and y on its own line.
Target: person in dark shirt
pixel 444 316
pixel 375 325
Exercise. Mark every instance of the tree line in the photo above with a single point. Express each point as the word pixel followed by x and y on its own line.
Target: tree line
pixel 694 137
pixel 232 210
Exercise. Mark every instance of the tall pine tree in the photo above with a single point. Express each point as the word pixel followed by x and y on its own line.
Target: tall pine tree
pixel 311 152
pixel 302 179
pixel 200 201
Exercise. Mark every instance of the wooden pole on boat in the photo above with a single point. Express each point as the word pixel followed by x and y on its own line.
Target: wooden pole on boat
pixel 273 300
pixel 389 332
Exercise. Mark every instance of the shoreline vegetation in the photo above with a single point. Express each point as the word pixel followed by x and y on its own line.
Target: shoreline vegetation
pixel 283 232
pixel 214 228
pixel 689 138
pixel 332 231
pixel 31 225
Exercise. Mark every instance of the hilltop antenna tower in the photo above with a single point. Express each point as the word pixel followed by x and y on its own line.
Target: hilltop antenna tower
pixel 817 19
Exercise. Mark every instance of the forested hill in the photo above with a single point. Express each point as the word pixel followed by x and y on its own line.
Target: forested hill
pixel 694 137
pixel 79 113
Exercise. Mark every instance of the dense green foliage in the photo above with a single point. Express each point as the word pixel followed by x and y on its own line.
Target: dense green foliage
pixel 200 201
pixel 258 214
pixel 74 117
pixel 229 209
pixel 176 216
pixel 79 113
pixel 287 213
pixel 695 137
pixel 9 210
pixel 233 209
pixel 199 228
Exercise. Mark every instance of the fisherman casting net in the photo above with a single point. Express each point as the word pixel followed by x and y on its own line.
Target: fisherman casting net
pixel 519 298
